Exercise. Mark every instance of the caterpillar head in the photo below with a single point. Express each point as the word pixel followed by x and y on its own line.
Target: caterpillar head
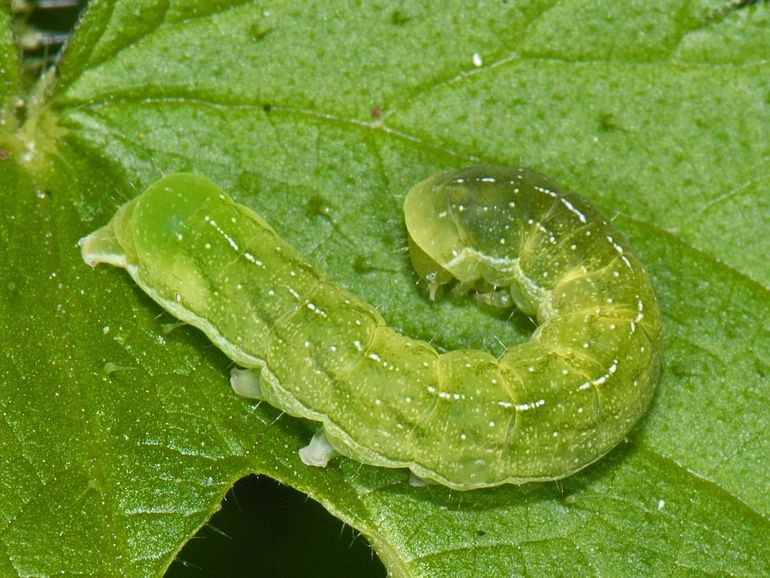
pixel 149 236
pixel 447 218
pixel 433 242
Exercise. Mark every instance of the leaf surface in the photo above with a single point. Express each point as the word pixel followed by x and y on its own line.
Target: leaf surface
pixel 119 431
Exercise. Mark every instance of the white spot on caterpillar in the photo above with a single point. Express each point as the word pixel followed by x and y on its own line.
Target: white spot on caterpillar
pixel 626 261
pixel 531 405
pixel 316 310
pixel 221 231
pixel 581 217
pixel 615 245
pixel 548 192
pixel 251 258
pixel 640 309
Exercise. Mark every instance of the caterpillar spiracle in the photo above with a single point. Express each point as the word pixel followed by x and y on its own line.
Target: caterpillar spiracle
pixel 543 410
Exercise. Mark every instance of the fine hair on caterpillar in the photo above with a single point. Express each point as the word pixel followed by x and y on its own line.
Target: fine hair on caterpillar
pixel 467 419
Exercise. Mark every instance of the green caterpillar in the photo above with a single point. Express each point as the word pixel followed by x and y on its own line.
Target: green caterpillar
pixel 466 419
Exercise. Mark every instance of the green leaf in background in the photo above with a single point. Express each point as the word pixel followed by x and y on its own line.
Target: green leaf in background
pixel 119 433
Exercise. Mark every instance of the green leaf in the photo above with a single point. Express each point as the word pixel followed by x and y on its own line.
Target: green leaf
pixel 119 433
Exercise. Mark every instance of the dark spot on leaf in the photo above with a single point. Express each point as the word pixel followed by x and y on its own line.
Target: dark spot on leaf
pixel 362 265
pixel 258 32
pixel 318 206
pixel 688 366
pixel 376 112
pixel 481 533
pixel 12 291
pixel 267 107
pixel 399 18
pixel 607 122
pixel 4 154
